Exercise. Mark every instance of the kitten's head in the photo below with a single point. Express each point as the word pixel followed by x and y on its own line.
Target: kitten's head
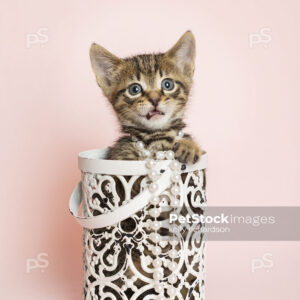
pixel 147 91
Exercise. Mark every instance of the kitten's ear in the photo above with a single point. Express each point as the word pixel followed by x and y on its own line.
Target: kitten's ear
pixel 105 65
pixel 183 53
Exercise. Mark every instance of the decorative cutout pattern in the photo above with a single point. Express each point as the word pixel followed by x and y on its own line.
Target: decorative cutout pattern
pixel 119 263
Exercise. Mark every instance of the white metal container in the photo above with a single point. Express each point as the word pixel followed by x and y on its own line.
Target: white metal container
pixel 124 257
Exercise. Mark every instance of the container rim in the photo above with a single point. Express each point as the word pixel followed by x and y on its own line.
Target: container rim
pixel 93 161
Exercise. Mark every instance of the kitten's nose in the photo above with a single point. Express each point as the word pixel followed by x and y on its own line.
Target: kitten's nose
pixel 154 98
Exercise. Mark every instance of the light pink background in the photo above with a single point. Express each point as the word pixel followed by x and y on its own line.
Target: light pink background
pixel 244 111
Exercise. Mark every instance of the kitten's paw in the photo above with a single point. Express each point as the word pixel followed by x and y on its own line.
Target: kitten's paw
pixel 187 151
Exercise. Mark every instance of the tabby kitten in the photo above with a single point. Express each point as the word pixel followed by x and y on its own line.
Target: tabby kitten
pixel 149 93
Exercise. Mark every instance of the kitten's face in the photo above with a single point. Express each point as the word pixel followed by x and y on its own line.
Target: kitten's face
pixel 147 91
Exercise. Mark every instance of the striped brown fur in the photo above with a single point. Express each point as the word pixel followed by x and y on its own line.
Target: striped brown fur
pixel 155 114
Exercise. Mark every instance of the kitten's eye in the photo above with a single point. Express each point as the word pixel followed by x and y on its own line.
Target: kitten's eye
pixel 134 89
pixel 167 84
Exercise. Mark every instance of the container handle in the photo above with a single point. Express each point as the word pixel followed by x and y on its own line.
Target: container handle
pixel 121 213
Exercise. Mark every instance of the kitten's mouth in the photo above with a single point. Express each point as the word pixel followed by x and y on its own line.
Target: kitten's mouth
pixel 154 113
